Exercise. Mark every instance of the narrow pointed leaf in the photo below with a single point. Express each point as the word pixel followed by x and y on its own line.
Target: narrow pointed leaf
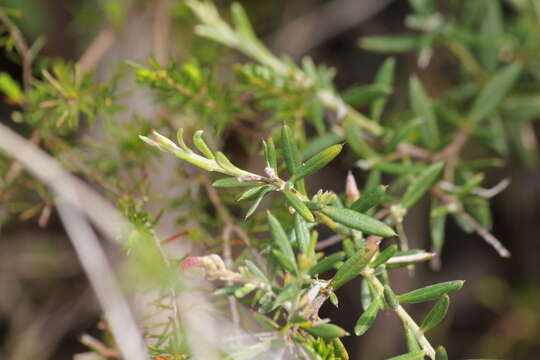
pixel 298 205
pixel 437 225
pixel 390 297
pixel 370 198
pixel 201 145
pixel 437 314
pixel 280 239
pixel 257 201
pixel 232 182
pixel 326 331
pixel 384 256
pixel 358 221
pixel 494 92
pixel 302 233
pixel 365 94
pixel 352 267
pixel 421 184
pixel 367 318
pixel 410 338
pixel 391 44
pixel 290 152
pixel 430 292
pixel 385 77
pixel 326 263
pixel 317 162
pixel 423 107
pixel 251 193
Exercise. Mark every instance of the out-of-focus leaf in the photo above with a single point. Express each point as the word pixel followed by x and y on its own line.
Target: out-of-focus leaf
pixel 422 106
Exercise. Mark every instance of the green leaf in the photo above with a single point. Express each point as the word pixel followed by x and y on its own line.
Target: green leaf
pixel 254 269
pixel 384 256
pixel 317 162
pixel 326 263
pixel 419 355
pixel 421 184
pixel 410 338
pixel 257 201
pixel 326 331
pixel 298 205
pixel 391 44
pixel 251 193
pixel 390 297
pixel 320 143
pixel 291 155
pixel 369 198
pixel 227 165
pixel 478 207
pixel 285 261
pixel 232 182
pixel 358 221
pixel 360 95
pixel 201 145
pixel 290 152
pixel 494 92
pixel 430 292
pixel 11 88
pixel 385 77
pixel 423 107
pixel 355 139
pixel 352 267
pixel 437 314
pixel 302 233
pixel 281 240
pixel 440 353
pixel 270 154
pixel 367 318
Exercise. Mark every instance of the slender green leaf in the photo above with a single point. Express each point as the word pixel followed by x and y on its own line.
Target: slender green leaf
pixel 384 256
pixel 358 221
pixel 317 162
pixel 199 143
pixel 421 184
pixel 430 292
pixel 298 205
pixel 360 95
pixel 280 239
pixel 370 198
pixel 352 267
pixel 326 263
pixel 437 314
pixel 423 107
pixel 385 77
pixel 302 233
pixel 257 201
pixel 251 193
pixel 367 318
pixel 326 331
pixel 410 338
pixel 232 182
pixel 391 44
pixel 494 92
pixel 390 297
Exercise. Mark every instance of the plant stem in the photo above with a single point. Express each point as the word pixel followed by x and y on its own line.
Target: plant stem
pixel 407 320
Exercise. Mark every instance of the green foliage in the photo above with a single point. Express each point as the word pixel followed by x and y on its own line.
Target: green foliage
pixel 408 154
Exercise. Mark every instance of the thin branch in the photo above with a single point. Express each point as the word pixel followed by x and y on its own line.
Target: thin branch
pixel 99 46
pixel 486 235
pixel 71 194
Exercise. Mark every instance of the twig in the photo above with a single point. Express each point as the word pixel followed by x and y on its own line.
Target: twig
pixel 99 46
pixel 99 347
pixel 486 235
pixel 22 48
pixel 323 23
pixel 332 240
pixel 93 259
pixel 162 24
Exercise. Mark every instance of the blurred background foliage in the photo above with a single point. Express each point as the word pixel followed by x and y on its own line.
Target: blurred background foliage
pixel 44 297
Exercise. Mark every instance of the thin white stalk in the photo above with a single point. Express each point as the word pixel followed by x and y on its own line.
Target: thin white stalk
pixel 70 200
